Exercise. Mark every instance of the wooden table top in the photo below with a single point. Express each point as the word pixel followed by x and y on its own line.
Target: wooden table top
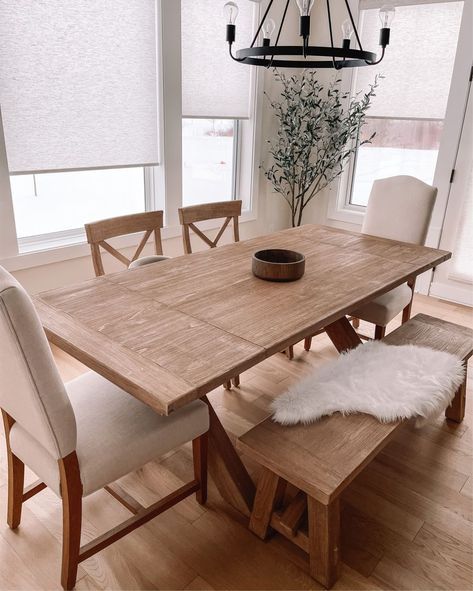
pixel 170 332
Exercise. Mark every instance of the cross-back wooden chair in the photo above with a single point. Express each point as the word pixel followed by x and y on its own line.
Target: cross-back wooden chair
pixel 99 232
pixel 81 436
pixel 189 216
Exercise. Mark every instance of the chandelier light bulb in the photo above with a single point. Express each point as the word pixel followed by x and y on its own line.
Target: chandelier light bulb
pixel 386 16
pixel 347 29
pixel 268 28
pixel 305 6
pixel 230 11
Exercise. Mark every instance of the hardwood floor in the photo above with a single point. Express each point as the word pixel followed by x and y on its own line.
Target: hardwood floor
pixel 406 519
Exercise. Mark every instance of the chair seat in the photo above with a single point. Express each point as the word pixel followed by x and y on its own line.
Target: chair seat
pixel 383 309
pixel 142 261
pixel 116 434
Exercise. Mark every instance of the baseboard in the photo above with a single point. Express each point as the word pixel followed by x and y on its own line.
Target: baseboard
pixel 458 294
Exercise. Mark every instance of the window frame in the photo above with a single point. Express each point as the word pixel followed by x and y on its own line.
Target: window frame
pixel 339 208
pixel 163 183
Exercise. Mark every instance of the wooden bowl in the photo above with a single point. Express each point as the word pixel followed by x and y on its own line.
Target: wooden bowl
pixel 276 264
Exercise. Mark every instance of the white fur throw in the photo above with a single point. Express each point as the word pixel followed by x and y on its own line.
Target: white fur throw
pixel 386 381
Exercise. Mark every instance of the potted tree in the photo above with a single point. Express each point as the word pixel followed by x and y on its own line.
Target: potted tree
pixel 318 130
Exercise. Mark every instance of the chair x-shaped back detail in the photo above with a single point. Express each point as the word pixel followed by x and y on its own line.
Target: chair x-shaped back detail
pixel 99 232
pixel 189 216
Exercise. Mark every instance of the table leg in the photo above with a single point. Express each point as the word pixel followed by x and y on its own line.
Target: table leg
pixel 343 335
pixel 226 468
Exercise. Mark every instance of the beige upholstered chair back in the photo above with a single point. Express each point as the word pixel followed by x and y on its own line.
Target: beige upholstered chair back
pixel 400 208
pixel 31 390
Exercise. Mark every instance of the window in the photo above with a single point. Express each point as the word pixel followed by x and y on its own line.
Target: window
pixel 209 150
pixel 408 111
pixel 79 96
pixel 56 202
pixel 216 108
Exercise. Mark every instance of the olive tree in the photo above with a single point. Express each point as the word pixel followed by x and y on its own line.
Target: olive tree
pixel 318 131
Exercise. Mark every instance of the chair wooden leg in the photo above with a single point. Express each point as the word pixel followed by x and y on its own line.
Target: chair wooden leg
pixel 324 541
pixel 307 343
pixel 290 352
pixel 456 411
pixel 406 313
pixel 227 385
pixel 16 473
pixel 199 450
pixel 269 495
pixel 379 332
pixel 16 478
pixel 236 381
pixel 71 492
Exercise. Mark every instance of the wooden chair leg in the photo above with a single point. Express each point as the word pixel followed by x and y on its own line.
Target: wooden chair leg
pixel 71 492
pixel 269 494
pixel 406 313
pixel 227 385
pixel 16 474
pixel 307 343
pixel 456 411
pixel 199 450
pixel 379 332
pixel 236 381
pixel 16 478
pixel 324 541
pixel 290 352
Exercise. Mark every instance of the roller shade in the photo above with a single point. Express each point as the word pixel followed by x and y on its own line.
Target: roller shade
pixel 78 83
pixel 417 72
pixel 214 86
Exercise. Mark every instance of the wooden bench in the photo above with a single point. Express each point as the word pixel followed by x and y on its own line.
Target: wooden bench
pixel 321 460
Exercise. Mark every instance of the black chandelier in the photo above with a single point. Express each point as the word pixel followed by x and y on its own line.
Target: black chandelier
pixel 285 56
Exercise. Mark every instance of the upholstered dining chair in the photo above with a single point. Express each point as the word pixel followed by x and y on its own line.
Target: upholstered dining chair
pixel 399 208
pixel 99 232
pixel 80 436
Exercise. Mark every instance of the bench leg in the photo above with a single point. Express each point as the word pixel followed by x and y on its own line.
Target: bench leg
pixel 456 411
pixel 324 541
pixel 269 495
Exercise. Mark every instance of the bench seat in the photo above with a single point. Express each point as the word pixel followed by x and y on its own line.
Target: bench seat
pixel 321 459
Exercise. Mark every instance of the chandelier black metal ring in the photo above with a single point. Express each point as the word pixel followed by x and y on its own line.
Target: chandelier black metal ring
pixel 285 56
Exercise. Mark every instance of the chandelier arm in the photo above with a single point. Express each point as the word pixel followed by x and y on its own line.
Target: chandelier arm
pixel 261 23
pixel 237 59
pixel 334 61
pixel 375 63
pixel 279 32
pixel 358 40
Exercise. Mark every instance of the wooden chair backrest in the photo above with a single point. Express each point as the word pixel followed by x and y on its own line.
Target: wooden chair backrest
pixel 99 232
pixel 189 216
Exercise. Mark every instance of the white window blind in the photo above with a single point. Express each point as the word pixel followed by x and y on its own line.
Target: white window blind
pixel 214 86
pixel 78 85
pixel 416 69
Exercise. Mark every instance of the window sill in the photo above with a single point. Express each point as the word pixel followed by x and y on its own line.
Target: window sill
pixel 341 212
pixel 64 246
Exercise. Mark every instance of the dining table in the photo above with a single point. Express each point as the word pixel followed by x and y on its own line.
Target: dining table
pixel 171 332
